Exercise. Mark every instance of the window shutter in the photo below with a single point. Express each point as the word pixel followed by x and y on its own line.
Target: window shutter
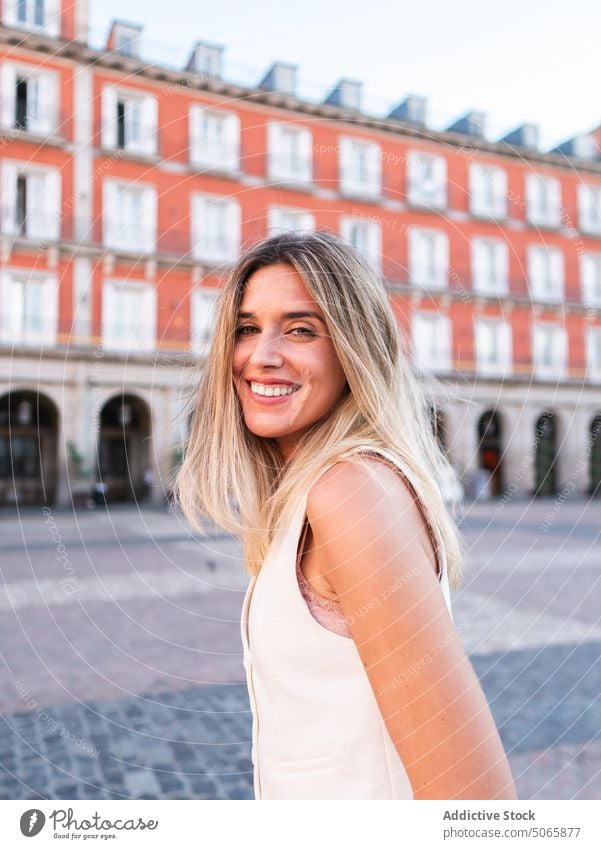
pixel 53 204
pixel 109 117
pixel 500 192
pixel 108 314
pixel 8 83
pixel 8 194
pixel 557 271
pixel 150 112
pixel 274 148
pixel 149 219
pixel 45 89
pixel 233 229
pixel 52 18
pixel 484 346
pixel 533 191
pixel 148 314
pixel 374 168
pixel 419 259
pixel 50 311
pixel 346 164
pixel 374 240
pixel 36 223
pixel 202 319
pixel 476 188
pixel 111 219
pixel 440 181
pixel 232 135
pixel 441 258
pixel 10 317
pixel 198 209
pixel 554 196
pixel 505 346
pixel 195 133
pixel 536 271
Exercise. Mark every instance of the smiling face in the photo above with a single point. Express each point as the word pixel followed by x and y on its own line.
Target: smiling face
pixel 285 368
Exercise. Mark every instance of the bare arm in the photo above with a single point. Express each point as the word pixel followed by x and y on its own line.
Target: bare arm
pixel 375 548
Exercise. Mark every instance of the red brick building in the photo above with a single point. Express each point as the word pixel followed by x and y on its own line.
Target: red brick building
pixel 126 188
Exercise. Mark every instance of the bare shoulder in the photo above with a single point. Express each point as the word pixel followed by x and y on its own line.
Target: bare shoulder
pixel 365 499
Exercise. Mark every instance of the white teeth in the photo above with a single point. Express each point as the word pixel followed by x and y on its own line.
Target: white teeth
pixel 275 391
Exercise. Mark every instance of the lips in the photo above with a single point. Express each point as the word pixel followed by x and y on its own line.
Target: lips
pixel 273 390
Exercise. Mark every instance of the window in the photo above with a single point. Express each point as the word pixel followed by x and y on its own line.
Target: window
pixel 593 345
pixel 202 319
pixel 488 191
pixel 431 341
pixel 282 218
pixel 214 139
pixel 128 316
pixel 428 258
pixel 545 272
pixel 29 99
pixel 489 266
pixel 427 180
pixel 215 228
pixel 43 16
pixel 129 216
pixel 543 198
pixel 365 236
pixel 129 121
pixel 493 346
pixel 30 201
pixel 360 167
pixel 290 153
pixel 590 278
pixel 28 308
pixel 589 209
pixel 549 346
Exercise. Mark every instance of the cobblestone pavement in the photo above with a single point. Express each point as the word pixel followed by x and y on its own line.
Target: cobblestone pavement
pixel 121 672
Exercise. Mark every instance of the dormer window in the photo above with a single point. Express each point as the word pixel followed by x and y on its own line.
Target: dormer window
pixel 125 39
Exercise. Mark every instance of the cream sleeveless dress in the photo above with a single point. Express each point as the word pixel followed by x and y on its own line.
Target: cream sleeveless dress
pixel 317 730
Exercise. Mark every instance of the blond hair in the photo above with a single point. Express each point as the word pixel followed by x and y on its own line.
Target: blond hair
pixel 240 480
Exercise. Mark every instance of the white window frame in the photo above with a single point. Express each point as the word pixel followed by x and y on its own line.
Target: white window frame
pixel 589 209
pixel 543 187
pixel 132 341
pixel 119 235
pixel 229 247
pixel 539 288
pixel 43 224
pixel 492 280
pixel 146 144
pixel 50 26
pixel 439 276
pixel 502 365
pixel 442 334
pixel 555 370
pixel 277 214
pixel 202 319
pixel 593 353
pixel 204 154
pixel 43 112
pixel 281 166
pixel 590 278
pixel 488 190
pixel 13 320
pixel 433 193
pixel 369 184
pixel 372 238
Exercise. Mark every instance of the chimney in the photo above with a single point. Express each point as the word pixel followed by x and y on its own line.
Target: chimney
pixel 206 59
pixel 412 110
pixel 470 124
pixel 124 38
pixel 346 93
pixel 280 78
pixel 526 135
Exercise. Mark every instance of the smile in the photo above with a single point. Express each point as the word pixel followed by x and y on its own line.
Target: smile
pixel 272 391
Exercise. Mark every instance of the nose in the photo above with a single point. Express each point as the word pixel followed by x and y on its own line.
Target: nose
pixel 267 350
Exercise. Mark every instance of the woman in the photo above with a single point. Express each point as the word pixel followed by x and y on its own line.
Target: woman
pixel 309 418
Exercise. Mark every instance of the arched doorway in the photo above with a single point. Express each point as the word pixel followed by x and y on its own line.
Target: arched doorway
pixel 595 462
pixel 28 443
pixel 123 447
pixel 546 454
pixel 490 450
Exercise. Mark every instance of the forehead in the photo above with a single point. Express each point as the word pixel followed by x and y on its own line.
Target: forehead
pixel 275 287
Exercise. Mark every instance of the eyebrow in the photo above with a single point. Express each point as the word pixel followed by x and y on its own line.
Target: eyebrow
pixel 298 314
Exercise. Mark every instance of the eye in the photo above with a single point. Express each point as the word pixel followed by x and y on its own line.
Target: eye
pixel 305 331
pixel 241 331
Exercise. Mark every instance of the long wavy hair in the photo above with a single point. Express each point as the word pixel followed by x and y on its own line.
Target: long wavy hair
pixel 240 480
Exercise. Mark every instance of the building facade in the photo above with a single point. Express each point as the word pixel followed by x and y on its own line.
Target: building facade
pixel 127 188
